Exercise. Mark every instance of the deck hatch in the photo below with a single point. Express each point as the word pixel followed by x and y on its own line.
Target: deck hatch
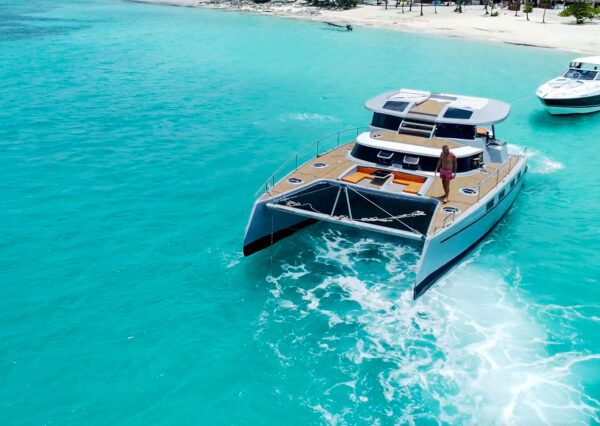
pixel 458 113
pixel 395 106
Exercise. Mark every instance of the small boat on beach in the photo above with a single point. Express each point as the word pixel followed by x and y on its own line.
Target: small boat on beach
pixel 384 179
pixel 346 27
pixel 577 91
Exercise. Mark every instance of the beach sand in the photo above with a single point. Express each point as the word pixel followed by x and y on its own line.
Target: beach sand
pixel 556 33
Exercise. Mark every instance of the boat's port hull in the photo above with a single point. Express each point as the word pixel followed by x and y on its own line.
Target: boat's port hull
pixel 266 227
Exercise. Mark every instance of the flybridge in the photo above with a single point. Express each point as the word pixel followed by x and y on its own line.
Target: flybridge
pixel 422 106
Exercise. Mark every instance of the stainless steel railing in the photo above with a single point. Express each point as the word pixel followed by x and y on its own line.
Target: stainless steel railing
pixel 320 147
pixel 512 161
pixel 496 173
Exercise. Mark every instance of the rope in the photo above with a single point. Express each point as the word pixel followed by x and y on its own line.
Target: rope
pixel 285 198
pixel 291 203
pixel 389 214
pixel 391 218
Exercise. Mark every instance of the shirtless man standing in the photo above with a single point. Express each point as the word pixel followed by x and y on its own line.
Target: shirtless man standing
pixel 446 165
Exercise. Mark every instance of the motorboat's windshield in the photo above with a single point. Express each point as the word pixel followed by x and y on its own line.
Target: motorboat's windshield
pixel 577 74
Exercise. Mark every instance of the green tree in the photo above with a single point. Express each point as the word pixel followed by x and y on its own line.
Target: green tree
pixel 334 4
pixel 527 9
pixel 545 6
pixel 581 11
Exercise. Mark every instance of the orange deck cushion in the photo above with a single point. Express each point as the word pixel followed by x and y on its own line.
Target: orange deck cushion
pixel 408 177
pixel 355 177
pixel 412 189
pixel 482 131
pixel 412 183
pixel 367 170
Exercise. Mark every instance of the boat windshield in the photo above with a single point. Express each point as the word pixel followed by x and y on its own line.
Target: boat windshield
pixel 575 74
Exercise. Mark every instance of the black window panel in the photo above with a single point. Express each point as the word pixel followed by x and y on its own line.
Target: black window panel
pixel 395 106
pixel 501 195
pixel 489 205
pixel 466 164
pixel 427 164
pixel 385 121
pixel 461 114
pixel 455 131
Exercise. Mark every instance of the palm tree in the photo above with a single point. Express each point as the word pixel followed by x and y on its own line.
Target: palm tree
pixel 527 9
pixel 545 3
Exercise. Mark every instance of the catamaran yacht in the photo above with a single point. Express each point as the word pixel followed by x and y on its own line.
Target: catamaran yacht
pixel 577 91
pixel 383 179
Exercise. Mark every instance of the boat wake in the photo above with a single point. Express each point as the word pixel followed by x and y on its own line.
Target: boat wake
pixel 308 116
pixel 470 352
pixel 538 162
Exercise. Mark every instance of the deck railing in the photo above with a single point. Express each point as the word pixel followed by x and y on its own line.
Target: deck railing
pixel 510 164
pixel 496 174
pixel 318 147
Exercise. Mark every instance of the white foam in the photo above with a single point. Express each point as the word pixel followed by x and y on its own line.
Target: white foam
pixel 538 162
pixel 470 347
pixel 331 419
pixel 308 116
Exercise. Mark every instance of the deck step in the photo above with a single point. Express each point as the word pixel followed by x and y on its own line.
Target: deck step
pixel 416 128
pixel 418 125
pixel 415 132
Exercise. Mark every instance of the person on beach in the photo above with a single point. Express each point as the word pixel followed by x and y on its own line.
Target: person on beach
pixel 446 166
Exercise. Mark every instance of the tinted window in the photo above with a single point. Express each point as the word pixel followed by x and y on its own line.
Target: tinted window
pixel 395 105
pixel 501 195
pixel 462 114
pixel 455 131
pixel 489 205
pixel 580 74
pixel 425 163
pixel 386 121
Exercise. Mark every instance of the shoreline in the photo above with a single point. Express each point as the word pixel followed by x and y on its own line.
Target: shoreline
pixel 557 33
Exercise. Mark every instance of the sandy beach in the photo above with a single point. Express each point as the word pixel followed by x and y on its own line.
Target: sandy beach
pixel 556 33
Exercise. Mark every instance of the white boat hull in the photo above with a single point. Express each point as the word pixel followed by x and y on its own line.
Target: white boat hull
pixel 445 249
pixel 571 110
pixel 270 222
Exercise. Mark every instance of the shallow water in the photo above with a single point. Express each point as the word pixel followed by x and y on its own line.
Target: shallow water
pixel 133 138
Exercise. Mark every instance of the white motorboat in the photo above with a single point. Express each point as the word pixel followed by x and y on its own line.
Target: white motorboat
pixel 384 179
pixel 576 91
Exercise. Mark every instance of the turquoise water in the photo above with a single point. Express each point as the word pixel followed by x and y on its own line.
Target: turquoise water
pixel 132 140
